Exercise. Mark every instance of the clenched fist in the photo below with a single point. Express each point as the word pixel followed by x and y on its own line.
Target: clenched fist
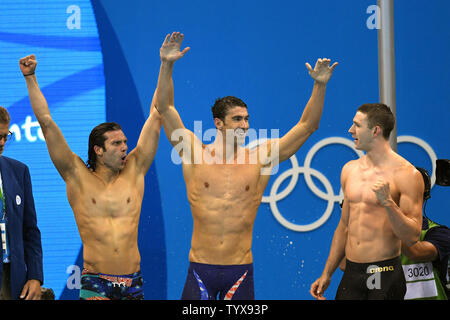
pixel 382 191
pixel 28 65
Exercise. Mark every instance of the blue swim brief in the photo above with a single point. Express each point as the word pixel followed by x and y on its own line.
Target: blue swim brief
pixel 223 282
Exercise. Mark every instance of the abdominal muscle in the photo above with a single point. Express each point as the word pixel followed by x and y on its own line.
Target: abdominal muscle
pixel 109 238
pixel 111 248
pixel 224 200
pixel 222 232
pixel 370 237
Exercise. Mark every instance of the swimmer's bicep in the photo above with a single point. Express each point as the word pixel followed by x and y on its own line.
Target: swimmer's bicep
pixel 291 142
pixel 410 203
pixel 184 141
pixel 147 144
pixel 267 152
pixel 411 196
pixel 345 210
pixel 411 206
pixel 173 125
pixel 276 150
pixel 62 157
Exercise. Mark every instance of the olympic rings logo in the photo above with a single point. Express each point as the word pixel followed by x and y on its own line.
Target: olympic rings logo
pixel 328 195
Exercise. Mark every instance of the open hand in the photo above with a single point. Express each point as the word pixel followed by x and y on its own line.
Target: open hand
pixel 322 71
pixel 170 49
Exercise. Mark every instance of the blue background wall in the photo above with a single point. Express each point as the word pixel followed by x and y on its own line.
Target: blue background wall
pixel 251 49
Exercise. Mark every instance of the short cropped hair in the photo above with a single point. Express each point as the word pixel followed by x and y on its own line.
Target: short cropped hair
pixel 222 105
pixel 4 115
pixel 379 114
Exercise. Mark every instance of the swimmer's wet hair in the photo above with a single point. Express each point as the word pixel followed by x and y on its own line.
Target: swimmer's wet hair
pixel 222 105
pixel 97 138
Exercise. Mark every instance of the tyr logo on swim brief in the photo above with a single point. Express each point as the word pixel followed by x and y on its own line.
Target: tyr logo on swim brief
pixel 118 281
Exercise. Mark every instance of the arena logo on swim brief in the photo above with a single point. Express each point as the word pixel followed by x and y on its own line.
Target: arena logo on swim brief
pixel 380 269
pixel 266 154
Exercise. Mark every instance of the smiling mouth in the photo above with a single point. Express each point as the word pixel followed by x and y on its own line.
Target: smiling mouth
pixel 239 132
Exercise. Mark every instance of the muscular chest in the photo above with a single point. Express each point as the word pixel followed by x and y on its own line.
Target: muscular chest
pixel 227 181
pixel 115 200
pixel 359 186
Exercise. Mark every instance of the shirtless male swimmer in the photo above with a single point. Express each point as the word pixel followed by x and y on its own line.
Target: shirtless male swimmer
pixel 383 195
pixel 224 194
pixel 105 196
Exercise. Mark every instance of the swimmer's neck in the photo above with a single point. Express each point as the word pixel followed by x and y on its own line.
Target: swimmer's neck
pixel 106 174
pixel 379 154
pixel 224 150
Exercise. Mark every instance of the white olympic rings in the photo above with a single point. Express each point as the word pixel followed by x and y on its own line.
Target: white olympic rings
pixel 328 195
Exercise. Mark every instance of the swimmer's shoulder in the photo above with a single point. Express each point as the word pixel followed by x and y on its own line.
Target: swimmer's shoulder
pixel 407 175
pixel 352 165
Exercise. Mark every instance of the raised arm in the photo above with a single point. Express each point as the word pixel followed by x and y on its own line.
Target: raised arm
pixel 309 121
pixel 63 158
pixel 178 135
pixel 147 144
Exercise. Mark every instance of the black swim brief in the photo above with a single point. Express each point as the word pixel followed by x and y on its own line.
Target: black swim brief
pixel 382 280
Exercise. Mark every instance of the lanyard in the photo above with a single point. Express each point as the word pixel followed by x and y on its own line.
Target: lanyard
pixel 2 197
pixel 4 235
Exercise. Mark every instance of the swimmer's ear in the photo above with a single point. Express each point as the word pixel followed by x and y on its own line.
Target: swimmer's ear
pixel 377 130
pixel 219 123
pixel 98 150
